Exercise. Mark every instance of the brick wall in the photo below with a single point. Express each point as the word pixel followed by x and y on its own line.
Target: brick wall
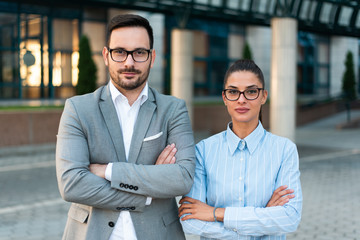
pixel 28 127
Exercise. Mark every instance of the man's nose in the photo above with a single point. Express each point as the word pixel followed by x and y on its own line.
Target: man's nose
pixel 129 60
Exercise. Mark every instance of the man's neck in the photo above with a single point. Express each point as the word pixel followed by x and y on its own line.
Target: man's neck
pixel 131 95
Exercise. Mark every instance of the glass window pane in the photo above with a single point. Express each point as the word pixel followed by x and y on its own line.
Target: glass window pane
pixel 8 30
pixel 200 44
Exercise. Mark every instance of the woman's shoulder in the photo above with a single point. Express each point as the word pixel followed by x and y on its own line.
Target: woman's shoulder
pixel 213 139
pixel 278 140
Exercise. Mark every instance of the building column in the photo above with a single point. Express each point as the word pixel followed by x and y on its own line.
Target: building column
pixel 182 67
pixel 283 77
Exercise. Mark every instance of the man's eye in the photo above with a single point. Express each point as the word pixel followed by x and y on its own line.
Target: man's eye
pixel 140 52
pixel 119 51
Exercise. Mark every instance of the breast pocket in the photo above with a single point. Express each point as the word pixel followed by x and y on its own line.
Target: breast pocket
pixel 152 140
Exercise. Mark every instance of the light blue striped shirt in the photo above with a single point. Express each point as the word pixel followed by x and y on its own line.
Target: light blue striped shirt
pixel 241 175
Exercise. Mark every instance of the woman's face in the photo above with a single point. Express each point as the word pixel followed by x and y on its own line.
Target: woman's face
pixel 244 110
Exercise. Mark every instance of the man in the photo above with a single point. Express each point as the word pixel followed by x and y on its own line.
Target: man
pixel 115 155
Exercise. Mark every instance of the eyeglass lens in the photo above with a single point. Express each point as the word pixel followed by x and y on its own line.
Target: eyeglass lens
pixel 138 55
pixel 250 94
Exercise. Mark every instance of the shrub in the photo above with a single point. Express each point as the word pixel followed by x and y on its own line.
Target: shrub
pixel 87 68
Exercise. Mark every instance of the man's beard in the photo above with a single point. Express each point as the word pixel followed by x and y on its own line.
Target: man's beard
pixel 131 84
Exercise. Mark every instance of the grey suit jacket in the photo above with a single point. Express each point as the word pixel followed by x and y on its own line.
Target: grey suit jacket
pixel 89 132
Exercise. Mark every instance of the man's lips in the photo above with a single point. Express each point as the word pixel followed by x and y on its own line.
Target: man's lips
pixel 242 110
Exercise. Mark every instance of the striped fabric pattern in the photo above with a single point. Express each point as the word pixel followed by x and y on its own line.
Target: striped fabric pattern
pixel 241 176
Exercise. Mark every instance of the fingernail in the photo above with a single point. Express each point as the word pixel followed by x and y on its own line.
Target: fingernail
pixel 174 150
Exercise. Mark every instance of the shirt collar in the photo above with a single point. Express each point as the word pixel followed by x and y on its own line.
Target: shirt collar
pixel 115 93
pixel 252 140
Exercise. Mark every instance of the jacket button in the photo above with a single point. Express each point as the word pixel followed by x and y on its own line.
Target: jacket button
pixel 126 186
pixel 131 187
pixel 121 185
pixel 132 208
pixel 136 188
pixel 111 224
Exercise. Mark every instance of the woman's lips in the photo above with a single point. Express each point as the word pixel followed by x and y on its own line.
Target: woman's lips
pixel 242 110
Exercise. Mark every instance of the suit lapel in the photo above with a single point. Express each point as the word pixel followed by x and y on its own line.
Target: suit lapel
pixel 142 124
pixel 112 122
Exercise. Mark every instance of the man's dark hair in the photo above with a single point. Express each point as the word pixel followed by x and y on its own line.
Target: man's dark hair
pixel 245 65
pixel 130 20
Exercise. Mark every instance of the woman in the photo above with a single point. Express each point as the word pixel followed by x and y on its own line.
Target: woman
pixel 238 170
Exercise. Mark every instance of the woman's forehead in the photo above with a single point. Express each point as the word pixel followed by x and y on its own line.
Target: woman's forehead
pixel 243 79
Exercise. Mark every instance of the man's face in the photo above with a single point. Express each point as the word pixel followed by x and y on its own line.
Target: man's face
pixel 129 75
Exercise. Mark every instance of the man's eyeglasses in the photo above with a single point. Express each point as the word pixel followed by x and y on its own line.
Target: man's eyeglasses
pixel 249 94
pixel 138 55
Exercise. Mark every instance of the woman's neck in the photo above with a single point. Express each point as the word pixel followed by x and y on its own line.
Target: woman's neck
pixel 243 129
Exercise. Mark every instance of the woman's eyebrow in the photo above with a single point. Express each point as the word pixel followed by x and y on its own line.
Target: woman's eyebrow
pixel 252 86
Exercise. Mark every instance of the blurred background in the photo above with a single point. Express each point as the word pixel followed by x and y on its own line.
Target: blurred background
pixel 309 52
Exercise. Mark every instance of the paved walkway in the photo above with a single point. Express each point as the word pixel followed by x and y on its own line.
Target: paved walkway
pixel 31 207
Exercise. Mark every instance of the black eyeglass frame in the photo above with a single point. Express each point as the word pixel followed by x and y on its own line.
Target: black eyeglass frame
pixel 129 53
pixel 242 92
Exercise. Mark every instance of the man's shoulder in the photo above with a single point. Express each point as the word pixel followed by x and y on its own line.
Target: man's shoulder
pixel 88 97
pixel 161 98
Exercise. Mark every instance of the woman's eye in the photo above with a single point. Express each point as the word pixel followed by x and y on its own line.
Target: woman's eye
pixel 252 91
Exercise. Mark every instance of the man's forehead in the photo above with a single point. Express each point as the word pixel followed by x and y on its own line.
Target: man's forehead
pixel 130 36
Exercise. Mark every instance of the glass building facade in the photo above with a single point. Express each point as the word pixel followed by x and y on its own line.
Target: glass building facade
pixel 39 50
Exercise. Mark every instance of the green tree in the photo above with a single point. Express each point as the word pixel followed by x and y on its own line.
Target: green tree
pixel 247 52
pixel 348 82
pixel 87 68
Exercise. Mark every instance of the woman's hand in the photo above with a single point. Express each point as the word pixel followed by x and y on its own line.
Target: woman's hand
pixel 199 210
pixel 280 196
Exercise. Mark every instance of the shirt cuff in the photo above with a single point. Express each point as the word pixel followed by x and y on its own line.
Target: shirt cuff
pixel 148 200
pixel 108 172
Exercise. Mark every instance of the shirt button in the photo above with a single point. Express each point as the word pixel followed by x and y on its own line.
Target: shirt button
pixel 240 178
pixel 240 198
pixel 234 230
pixel 111 224
pixel 241 159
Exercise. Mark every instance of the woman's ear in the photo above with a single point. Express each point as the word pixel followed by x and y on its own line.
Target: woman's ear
pixel 224 98
pixel 264 97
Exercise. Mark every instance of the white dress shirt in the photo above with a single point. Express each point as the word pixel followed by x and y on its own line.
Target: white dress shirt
pixel 124 227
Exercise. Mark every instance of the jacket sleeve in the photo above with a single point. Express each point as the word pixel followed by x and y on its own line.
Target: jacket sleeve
pixel 76 183
pixel 167 180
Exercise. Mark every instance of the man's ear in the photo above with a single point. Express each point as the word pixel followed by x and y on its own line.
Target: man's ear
pixel 153 55
pixel 105 54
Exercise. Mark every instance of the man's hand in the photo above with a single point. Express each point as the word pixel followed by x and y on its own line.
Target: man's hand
pixel 98 169
pixel 167 156
pixel 199 210
pixel 280 196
